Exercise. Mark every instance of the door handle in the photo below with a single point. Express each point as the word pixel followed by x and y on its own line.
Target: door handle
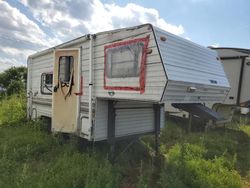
pixel 191 89
pixel 55 88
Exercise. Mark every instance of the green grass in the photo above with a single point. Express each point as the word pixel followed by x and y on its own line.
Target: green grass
pixel 224 149
pixel 12 110
pixel 32 157
pixel 246 129
pixel 187 166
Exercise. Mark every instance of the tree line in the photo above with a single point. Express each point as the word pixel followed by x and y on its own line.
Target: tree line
pixel 13 81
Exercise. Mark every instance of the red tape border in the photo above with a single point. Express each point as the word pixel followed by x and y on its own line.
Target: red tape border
pixel 80 93
pixel 141 87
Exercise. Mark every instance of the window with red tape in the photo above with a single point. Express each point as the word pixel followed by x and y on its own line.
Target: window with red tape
pixel 124 65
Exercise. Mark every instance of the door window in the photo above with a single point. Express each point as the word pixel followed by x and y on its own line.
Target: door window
pixel 65 69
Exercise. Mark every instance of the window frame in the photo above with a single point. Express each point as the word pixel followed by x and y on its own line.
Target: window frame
pixel 70 69
pixel 44 85
pixel 141 76
pixel 134 64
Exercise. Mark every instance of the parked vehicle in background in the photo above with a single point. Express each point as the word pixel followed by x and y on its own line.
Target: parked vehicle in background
pixel 236 63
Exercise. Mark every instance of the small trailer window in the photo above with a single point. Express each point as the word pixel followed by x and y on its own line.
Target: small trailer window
pixel 124 61
pixel 65 69
pixel 46 83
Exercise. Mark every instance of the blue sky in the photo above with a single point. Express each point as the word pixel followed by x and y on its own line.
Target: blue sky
pixel 207 22
pixel 27 26
pixel 222 22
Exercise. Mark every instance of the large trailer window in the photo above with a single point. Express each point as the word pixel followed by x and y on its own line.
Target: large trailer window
pixel 65 69
pixel 124 61
pixel 46 83
pixel 124 65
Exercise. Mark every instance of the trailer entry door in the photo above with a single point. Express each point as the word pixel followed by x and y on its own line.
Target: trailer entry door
pixel 66 86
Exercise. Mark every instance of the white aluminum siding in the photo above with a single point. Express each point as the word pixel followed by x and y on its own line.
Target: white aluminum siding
pixel 188 64
pixel 155 79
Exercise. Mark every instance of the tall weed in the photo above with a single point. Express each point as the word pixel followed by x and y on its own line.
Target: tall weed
pixel 13 110
pixel 30 157
pixel 186 166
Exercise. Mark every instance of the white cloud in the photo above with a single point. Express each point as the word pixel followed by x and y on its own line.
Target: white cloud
pixel 4 66
pixel 17 26
pixel 7 63
pixel 111 16
pixel 215 45
pixel 19 37
pixel 55 21
pixel 63 18
pixel 69 19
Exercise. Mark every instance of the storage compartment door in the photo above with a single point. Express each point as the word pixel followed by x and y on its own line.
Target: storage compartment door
pixel 133 118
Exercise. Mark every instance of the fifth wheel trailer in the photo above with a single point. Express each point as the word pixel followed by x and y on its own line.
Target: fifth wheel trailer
pixel 114 84
pixel 236 62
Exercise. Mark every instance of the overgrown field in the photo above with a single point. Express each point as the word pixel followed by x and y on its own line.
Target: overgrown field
pixel 32 157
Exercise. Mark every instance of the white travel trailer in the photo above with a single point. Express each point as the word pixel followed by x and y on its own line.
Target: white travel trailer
pixel 114 84
pixel 236 62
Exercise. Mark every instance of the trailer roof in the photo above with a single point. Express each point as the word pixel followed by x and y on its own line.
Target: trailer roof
pixel 225 52
pixel 81 39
